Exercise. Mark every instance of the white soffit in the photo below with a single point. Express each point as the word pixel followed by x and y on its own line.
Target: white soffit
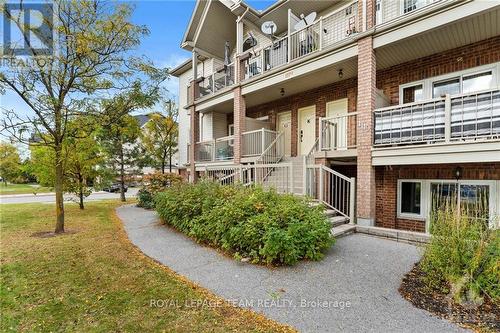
pixel 465 31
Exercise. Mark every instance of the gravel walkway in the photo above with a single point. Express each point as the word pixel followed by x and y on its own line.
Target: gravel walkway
pixel 354 289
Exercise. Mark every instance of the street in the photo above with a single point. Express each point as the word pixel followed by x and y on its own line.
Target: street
pixel 50 197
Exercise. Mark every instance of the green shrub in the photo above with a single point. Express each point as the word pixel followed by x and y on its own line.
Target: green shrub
pixel 249 222
pixel 155 183
pixel 463 254
pixel 145 199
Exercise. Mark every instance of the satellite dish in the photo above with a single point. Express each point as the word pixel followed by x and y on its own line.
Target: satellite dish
pixel 269 28
pixel 305 21
pixel 249 42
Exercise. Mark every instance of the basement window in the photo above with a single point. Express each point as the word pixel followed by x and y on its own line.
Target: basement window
pixel 410 199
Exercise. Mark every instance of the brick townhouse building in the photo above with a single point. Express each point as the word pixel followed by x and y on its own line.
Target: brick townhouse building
pixel 380 109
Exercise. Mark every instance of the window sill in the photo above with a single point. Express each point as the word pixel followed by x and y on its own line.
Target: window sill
pixel 411 217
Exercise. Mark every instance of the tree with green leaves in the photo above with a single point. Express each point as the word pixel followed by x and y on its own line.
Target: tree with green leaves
pixel 82 158
pixel 10 163
pixel 159 137
pixel 92 61
pixel 119 140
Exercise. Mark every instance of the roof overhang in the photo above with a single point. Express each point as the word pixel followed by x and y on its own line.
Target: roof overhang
pixel 182 68
pixel 211 22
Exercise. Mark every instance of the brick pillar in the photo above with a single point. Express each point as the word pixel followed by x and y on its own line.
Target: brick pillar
pixel 239 112
pixel 365 197
pixel 195 130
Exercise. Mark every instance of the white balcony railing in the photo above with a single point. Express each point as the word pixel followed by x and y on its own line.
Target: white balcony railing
pixel 452 118
pixel 321 34
pixel 256 142
pixel 221 149
pixel 217 81
pixel 338 132
pixel 388 10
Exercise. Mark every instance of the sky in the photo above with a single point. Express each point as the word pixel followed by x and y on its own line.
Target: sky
pixel 167 21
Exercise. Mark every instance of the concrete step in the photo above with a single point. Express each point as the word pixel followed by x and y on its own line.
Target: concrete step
pixel 343 230
pixel 330 212
pixel 338 220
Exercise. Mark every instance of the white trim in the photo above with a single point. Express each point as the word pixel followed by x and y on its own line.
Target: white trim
pixel 411 216
pixel 427 83
pixel 425 199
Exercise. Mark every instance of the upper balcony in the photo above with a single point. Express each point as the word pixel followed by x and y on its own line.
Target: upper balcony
pixel 325 32
pixel 464 127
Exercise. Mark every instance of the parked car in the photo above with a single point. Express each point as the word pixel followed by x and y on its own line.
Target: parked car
pixel 114 188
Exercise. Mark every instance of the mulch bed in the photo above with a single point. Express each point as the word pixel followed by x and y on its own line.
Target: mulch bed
pixel 479 318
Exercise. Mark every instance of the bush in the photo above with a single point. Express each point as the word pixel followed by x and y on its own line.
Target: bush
pixel 463 255
pixel 156 183
pixel 261 225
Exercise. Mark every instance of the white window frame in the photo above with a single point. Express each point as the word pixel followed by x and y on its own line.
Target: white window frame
pixel 402 7
pixel 425 199
pixel 494 200
pixel 423 204
pixel 427 84
pixel 402 87
pixel 380 12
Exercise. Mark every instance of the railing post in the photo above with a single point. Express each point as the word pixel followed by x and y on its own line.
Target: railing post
pixel 289 48
pixel 290 177
pixel 262 140
pixel 352 201
pixel 320 133
pixel 304 175
pixel 320 33
pixel 241 173
pixel 447 118
pixel 320 183
pixel 214 146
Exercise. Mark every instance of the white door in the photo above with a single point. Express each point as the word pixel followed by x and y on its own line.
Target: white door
pixel 307 129
pixel 336 132
pixel 285 126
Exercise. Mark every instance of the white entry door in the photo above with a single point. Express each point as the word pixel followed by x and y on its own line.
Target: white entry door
pixel 284 126
pixel 307 129
pixel 336 132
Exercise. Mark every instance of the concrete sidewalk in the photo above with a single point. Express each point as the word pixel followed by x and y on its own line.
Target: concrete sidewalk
pixel 354 289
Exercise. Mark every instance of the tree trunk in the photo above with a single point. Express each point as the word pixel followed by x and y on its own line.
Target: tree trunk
pixel 59 190
pixel 170 162
pixel 80 190
pixel 122 175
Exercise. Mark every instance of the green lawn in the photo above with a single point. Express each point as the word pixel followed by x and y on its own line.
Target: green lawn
pixel 95 280
pixel 22 189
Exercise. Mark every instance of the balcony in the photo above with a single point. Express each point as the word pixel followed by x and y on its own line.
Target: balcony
pixel 221 149
pixel 467 124
pixel 338 133
pixel 388 10
pixel 217 81
pixel 323 33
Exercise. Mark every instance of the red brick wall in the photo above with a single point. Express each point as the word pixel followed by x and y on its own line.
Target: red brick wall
pixel 318 97
pixel 365 180
pixel 465 57
pixel 386 187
